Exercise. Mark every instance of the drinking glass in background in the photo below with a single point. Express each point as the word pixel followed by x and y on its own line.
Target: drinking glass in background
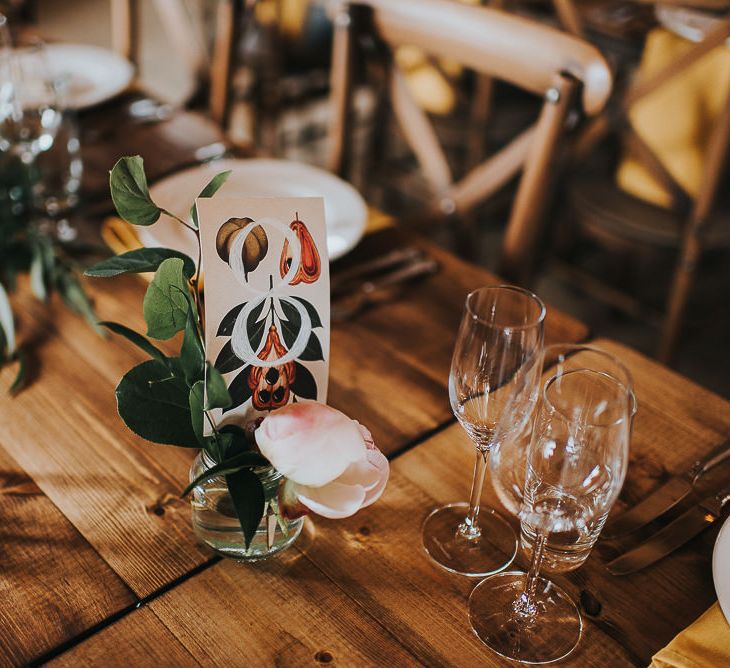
pixel 37 129
pixel 565 550
pixel 576 465
pixel 29 114
pixel 57 171
pixel 493 386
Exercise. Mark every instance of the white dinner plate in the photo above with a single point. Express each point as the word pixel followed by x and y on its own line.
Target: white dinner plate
pixel 90 74
pixel 721 568
pixel 344 208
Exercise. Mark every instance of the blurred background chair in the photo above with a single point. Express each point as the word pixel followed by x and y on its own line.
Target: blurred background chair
pixel 567 72
pixel 649 174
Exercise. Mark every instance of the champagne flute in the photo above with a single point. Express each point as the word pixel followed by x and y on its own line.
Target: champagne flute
pixel 493 386
pixel 576 465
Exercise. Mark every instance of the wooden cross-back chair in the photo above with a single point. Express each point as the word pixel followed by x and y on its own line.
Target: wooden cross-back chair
pixel 623 223
pixel 213 71
pixel 565 70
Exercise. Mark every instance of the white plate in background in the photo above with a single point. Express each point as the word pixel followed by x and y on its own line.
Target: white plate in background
pixel 344 208
pixel 91 74
pixel 721 568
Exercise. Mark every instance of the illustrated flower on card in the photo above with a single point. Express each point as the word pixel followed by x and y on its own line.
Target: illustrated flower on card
pixel 271 386
pixel 330 462
pixel 309 264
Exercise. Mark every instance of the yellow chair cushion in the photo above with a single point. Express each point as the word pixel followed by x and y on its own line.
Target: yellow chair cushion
pixel 676 120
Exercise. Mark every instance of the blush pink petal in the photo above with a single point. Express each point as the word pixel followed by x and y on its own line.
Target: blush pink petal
pixel 310 443
pixel 334 501
pixel 380 463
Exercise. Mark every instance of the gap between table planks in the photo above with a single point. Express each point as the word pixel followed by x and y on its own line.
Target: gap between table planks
pixel 376 559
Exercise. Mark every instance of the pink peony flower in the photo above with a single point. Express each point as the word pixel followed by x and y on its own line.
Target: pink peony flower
pixel 330 461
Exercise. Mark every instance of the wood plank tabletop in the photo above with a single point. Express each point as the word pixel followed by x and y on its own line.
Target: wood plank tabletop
pixel 99 562
pixel 361 591
pixel 118 495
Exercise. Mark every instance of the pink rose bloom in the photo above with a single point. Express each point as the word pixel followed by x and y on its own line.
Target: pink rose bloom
pixel 330 461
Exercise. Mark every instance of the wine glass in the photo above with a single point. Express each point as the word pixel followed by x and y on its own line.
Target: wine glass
pixel 508 461
pixel 576 464
pixel 29 114
pixel 493 387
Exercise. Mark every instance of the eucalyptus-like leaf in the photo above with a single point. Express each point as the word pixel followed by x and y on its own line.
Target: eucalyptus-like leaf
pixel 22 376
pixel 130 194
pixel 74 297
pixel 167 300
pixel 137 339
pixel 37 275
pixel 211 189
pixel 227 466
pixel 192 356
pixel 154 404
pixel 138 261
pixel 6 322
pixel 197 419
pixel 217 395
pixel 247 494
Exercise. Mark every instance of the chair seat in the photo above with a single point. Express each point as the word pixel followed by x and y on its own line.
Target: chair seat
pixel 602 210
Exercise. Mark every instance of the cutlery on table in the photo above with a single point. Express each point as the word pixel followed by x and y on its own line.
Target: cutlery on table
pixel 340 281
pixel 672 536
pixel 666 497
pixel 367 293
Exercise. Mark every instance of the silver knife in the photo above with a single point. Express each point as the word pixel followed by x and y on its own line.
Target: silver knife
pixel 666 497
pixel 672 536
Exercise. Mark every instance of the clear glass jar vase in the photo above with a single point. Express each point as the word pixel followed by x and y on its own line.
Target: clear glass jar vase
pixel 215 522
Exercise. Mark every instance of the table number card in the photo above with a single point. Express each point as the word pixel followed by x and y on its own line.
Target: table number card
pixel 267 308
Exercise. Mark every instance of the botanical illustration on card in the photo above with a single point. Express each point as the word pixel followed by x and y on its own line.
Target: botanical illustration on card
pixel 271 341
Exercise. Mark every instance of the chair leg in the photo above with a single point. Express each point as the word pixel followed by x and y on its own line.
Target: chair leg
pixel 682 284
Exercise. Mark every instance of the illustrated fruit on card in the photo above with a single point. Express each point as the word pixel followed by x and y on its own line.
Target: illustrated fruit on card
pixel 309 263
pixel 254 248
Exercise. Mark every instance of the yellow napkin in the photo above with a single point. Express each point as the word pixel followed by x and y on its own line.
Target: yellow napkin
pixel 676 119
pixel 704 643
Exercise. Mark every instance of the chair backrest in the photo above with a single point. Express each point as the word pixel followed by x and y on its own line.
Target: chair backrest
pixel 188 42
pixel 527 54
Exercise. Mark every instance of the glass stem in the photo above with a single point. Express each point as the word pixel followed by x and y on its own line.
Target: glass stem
pixel 470 528
pixel 525 605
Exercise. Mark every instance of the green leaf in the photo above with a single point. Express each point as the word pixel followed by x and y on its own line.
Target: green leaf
pixel 197 419
pixel 216 391
pixel 238 443
pixel 313 315
pixel 6 321
pixel 239 390
pixel 229 465
pixel 138 261
pixel 227 360
pixel 37 275
pixel 74 297
pixel 192 357
pixel 211 189
pixel 167 300
pixel 137 339
pixel 247 493
pixel 229 319
pixel 155 405
pixel 22 376
pixel 304 384
pixel 313 351
pixel 130 194
pixel 291 324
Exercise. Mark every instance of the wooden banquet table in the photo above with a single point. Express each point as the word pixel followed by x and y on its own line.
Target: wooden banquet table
pixel 99 564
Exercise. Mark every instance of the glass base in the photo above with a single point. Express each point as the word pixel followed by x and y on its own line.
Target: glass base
pixel 550 635
pixel 488 553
